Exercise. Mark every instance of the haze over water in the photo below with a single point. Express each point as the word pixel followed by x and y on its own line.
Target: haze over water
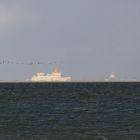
pixel 87 39
pixel 90 40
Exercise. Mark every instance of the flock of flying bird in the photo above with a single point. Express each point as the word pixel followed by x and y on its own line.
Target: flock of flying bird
pixel 7 62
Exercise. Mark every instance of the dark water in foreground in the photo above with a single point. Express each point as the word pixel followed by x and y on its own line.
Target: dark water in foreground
pixel 70 111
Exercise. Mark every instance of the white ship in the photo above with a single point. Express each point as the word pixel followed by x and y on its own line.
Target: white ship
pixel 54 76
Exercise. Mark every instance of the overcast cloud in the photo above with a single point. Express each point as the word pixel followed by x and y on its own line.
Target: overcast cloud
pixel 85 38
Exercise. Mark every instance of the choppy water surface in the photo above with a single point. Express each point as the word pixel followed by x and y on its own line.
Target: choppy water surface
pixel 69 111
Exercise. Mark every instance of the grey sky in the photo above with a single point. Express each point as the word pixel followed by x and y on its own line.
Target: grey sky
pixel 87 38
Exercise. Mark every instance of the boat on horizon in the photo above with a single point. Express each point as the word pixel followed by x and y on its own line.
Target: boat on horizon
pixel 54 76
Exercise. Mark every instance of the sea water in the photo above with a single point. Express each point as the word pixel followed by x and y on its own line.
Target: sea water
pixel 70 111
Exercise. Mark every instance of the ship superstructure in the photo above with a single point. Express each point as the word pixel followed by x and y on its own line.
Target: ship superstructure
pixel 54 76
